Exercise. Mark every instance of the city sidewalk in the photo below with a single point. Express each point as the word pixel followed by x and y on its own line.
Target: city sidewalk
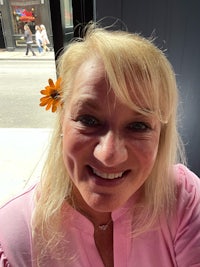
pixel 19 54
pixel 22 150
pixel 22 154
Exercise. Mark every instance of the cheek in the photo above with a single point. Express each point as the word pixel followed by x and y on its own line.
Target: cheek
pixel 145 150
pixel 68 147
pixel 74 143
pixel 76 147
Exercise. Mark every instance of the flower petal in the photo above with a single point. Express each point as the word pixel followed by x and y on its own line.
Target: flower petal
pixel 49 104
pixel 44 92
pixel 52 95
pixel 51 83
pixel 44 101
pixel 54 108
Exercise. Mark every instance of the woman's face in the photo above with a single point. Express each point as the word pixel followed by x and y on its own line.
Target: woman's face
pixel 108 149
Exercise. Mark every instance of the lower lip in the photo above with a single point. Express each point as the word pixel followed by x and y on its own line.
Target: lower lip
pixel 106 182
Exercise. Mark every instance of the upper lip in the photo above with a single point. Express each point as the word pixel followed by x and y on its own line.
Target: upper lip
pixel 108 174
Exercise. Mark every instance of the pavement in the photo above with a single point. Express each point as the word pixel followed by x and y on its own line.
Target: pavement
pixel 22 150
pixel 22 155
pixel 19 54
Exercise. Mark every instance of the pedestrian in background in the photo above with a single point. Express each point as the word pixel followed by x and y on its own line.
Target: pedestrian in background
pixel 38 38
pixel 45 39
pixel 29 40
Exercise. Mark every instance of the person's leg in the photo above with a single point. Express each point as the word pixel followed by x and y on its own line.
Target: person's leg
pixel 40 46
pixel 31 49
pixel 27 49
pixel 47 48
pixel 44 47
pixel 40 49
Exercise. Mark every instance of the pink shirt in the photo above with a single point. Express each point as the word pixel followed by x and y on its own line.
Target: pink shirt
pixel 174 243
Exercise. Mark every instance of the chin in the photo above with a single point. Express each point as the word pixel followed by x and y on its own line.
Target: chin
pixel 105 203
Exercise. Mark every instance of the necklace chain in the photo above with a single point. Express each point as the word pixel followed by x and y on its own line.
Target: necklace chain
pixel 101 227
pixel 104 227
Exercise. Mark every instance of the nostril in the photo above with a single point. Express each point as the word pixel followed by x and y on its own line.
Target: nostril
pixel 110 155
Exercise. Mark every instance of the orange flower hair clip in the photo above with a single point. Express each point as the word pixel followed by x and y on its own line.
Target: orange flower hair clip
pixel 53 93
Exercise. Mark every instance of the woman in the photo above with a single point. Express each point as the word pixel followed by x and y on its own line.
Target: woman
pixel 110 193
pixel 38 38
pixel 29 40
pixel 45 39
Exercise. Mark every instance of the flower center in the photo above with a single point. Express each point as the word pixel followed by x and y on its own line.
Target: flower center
pixel 55 94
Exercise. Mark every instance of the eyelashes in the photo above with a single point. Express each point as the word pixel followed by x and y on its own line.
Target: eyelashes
pixel 139 126
pixel 92 122
pixel 88 120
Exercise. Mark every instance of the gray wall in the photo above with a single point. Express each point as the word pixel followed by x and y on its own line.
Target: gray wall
pixel 176 24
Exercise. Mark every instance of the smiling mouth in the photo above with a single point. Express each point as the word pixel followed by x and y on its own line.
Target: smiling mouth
pixel 108 176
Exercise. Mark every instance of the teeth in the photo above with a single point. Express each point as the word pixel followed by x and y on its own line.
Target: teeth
pixel 108 175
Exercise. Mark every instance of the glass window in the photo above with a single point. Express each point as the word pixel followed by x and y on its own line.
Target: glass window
pixel 25 12
pixel 68 13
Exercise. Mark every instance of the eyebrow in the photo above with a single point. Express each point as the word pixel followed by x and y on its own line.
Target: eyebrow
pixel 87 103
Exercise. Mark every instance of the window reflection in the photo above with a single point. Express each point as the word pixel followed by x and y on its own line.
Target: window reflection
pixel 25 12
pixel 68 13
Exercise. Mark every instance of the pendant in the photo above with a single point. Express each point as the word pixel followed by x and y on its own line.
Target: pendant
pixel 103 227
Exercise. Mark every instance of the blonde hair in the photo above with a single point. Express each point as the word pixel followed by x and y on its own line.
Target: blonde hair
pixel 135 69
pixel 37 28
pixel 27 28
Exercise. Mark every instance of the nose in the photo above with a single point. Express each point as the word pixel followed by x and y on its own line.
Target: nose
pixel 111 150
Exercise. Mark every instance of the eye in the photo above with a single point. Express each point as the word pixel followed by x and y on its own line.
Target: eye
pixel 88 120
pixel 139 126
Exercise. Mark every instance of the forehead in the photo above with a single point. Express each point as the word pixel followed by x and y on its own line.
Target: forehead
pixel 90 80
pixel 91 84
pixel 90 71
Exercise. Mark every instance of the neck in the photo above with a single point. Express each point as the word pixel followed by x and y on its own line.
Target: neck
pixel 96 217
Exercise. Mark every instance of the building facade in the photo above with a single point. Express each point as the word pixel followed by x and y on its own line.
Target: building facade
pixel 14 14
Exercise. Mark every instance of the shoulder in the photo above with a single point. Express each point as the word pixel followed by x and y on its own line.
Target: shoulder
pixel 15 229
pixel 22 202
pixel 188 183
pixel 16 212
pixel 187 196
pixel 185 226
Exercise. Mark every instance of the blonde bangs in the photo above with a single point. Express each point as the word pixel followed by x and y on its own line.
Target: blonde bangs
pixel 140 76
